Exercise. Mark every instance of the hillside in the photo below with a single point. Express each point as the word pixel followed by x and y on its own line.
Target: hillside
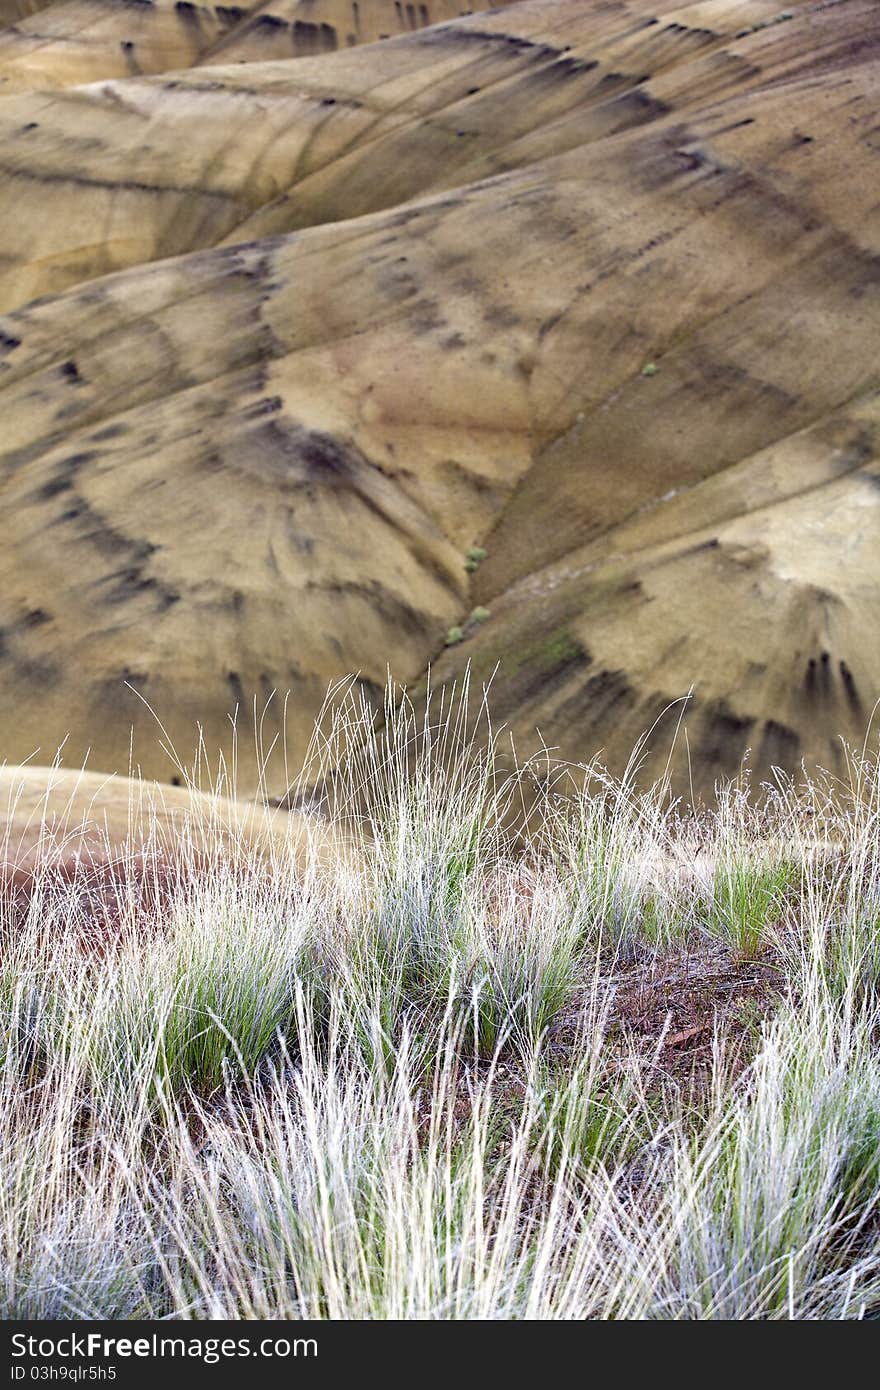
pixel 594 288
pixel 70 42
pixel 79 822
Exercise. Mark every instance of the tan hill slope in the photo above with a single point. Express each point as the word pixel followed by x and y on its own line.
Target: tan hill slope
pixel 79 822
pixel 70 42
pixel 119 851
pixel 11 11
pixel 302 28
pixel 141 170
pixel 78 41
pixel 595 288
pixel 757 584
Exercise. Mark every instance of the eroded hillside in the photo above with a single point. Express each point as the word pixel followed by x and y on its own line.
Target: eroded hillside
pixel 592 287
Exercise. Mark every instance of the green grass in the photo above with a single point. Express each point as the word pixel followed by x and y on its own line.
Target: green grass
pixel 747 897
pixel 425 1077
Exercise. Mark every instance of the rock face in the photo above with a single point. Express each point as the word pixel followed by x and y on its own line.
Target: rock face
pixel 594 288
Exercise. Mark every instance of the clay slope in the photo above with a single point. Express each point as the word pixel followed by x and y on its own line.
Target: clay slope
pixel 68 42
pixel 77 820
pixel 74 41
pixel 278 28
pixel 11 11
pixel 595 288
pixel 142 170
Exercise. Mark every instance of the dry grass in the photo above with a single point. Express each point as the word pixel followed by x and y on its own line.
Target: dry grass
pixel 624 1068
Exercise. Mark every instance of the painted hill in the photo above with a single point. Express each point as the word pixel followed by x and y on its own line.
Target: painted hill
pixel 71 42
pixel 593 288
pixel 100 830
